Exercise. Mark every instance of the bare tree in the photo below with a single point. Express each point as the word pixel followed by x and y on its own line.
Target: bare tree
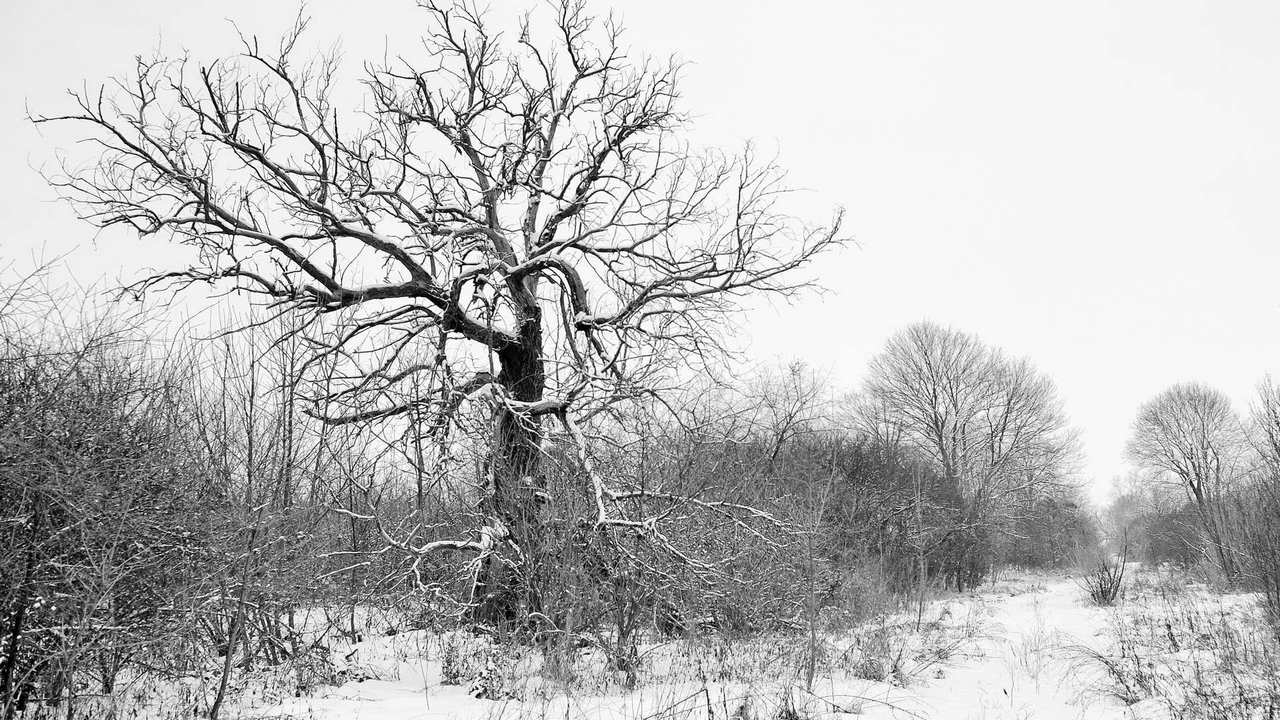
pixel 509 221
pixel 993 426
pixel 1190 433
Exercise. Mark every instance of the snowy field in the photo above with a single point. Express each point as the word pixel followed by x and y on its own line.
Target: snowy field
pixel 1025 646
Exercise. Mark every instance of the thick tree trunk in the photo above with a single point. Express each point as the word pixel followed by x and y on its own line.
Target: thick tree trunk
pixel 506 591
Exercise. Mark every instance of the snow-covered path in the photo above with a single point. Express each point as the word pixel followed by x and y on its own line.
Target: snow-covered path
pixel 1027 662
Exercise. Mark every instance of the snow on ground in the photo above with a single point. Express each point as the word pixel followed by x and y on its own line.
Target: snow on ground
pixel 1028 663
pixel 1014 649
pixel 1027 647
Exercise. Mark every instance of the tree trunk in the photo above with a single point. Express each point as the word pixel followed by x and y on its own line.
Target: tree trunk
pixel 1211 519
pixel 1225 561
pixel 18 608
pixel 506 590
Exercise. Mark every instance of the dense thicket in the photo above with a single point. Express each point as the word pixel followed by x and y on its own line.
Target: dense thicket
pixel 98 542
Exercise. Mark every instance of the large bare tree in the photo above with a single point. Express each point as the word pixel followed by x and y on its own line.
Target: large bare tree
pixel 507 219
pixel 1191 434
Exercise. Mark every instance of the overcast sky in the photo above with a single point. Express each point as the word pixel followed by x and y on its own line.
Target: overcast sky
pixel 1094 184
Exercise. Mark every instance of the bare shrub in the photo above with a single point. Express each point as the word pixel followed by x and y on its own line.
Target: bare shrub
pixel 1104 583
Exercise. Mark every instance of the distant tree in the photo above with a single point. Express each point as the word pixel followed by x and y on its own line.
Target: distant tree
pixel 993 426
pixel 1191 435
pixel 514 221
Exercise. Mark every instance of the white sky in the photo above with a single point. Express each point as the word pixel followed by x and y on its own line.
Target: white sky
pixel 1094 184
